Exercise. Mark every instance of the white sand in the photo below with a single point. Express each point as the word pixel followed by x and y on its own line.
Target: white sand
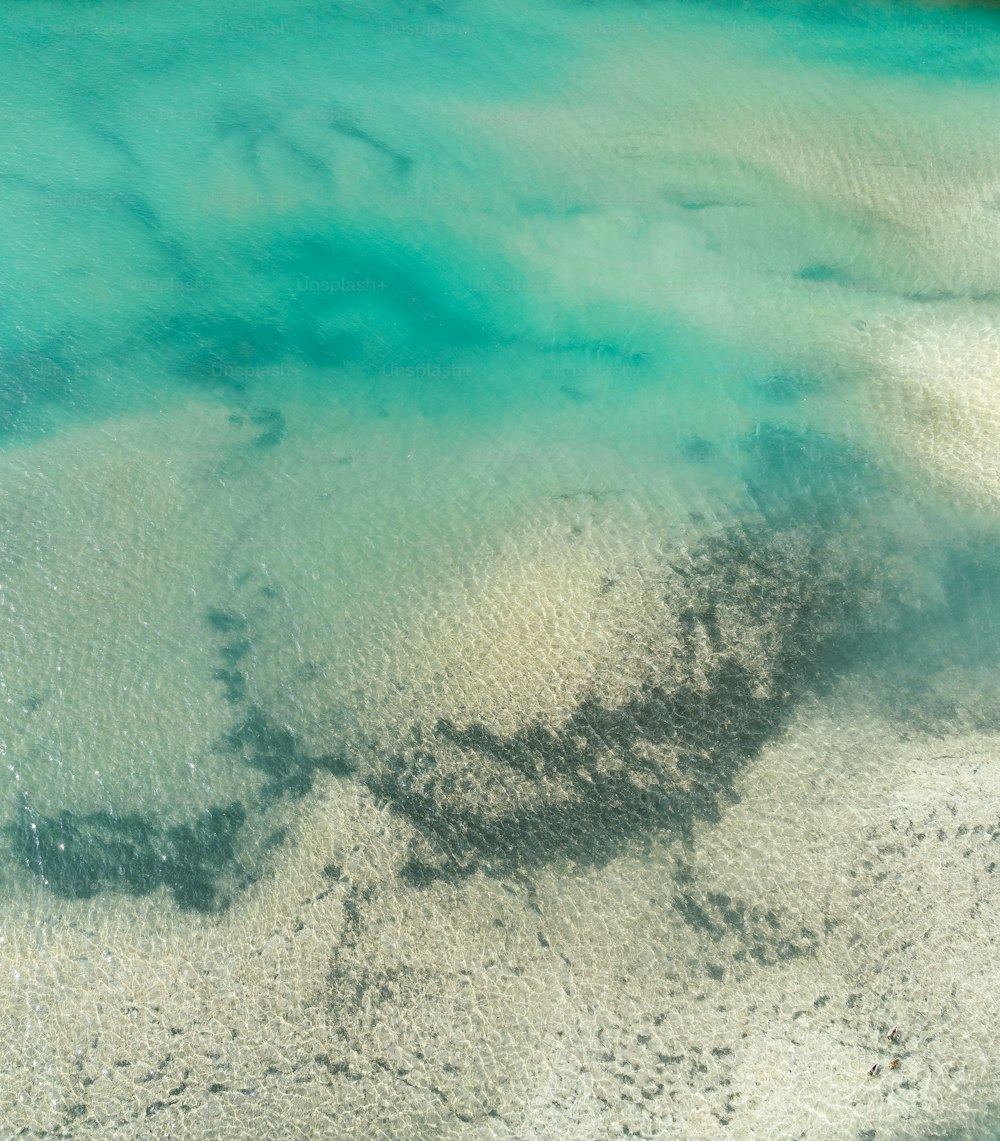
pixel 932 386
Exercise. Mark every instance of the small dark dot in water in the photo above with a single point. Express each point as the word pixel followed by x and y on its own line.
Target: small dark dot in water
pixel 416 873
pixel 76 1110
pixel 853 1000
pixel 225 621
pixel 786 387
pixel 268 592
pixel 273 423
pixel 930 296
pixel 333 872
pixel 577 395
pixel 232 652
pixel 714 971
pixel 697 449
pixel 235 683
pixel 217 1087
pixel 542 940
pixel 819 271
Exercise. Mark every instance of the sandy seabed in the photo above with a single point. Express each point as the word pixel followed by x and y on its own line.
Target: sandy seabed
pixel 740 985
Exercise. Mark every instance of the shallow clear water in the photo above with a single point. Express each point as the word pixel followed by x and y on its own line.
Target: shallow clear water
pixel 519 433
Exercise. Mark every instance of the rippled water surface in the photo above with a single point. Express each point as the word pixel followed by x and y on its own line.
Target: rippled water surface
pixel 499 569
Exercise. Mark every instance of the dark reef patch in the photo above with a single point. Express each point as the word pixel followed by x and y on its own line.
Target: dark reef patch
pixel 273 424
pixel 262 744
pixel 274 750
pixel 204 862
pixel 235 651
pixel 764 937
pixel 821 272
pixel 225 621
pixel 401 162
pixel 235 683
pixel 696 449
pixel 77 856
pixel 757 621
pixel 231 652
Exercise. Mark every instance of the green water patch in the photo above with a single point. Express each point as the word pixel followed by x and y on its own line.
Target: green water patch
pixel 791 472
pixel 328 228
pixel 934 667
pixel 43 370
pixel 786 388
pixel 944 44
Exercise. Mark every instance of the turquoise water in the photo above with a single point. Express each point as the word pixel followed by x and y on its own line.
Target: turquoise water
pixel 516 416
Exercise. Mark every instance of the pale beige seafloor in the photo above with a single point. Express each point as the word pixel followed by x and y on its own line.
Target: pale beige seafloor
pixel 741 984
pixel 852 888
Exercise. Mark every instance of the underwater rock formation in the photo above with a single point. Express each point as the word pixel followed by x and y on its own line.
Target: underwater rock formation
pixel 747 621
